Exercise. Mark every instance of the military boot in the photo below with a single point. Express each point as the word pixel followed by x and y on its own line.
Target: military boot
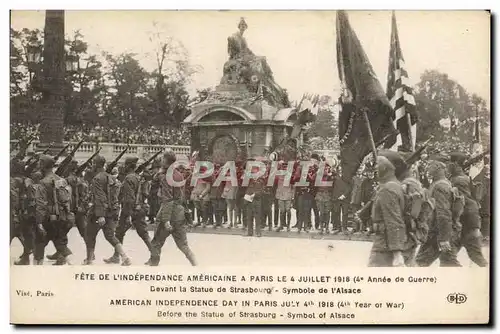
pixel 115 259
pixel 53 257
pixel 24 260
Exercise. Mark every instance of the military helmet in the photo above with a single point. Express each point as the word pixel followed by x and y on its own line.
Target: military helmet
pixel 458 158
pixel 46 161
pixel 397 160
pixel 99 160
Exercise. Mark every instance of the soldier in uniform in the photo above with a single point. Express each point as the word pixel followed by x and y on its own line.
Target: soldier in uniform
pixel 17 202
pixel 284 197
pixel 52 215
pixel 387 217
pixel 80 197
pixel 153 200
pixel 470 219
pixel 443 230
pixel 103 213
pixel 170 217
pixel 134 192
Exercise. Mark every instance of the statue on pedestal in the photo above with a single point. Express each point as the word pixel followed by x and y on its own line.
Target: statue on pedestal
pixel 244 67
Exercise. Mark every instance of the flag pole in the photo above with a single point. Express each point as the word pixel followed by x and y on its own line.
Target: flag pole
pixel 410 134
pixel 370 134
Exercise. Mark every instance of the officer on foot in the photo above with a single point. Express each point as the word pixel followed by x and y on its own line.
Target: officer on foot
pixel 387 217
pixel 133 195
pixel 104 210
pixel 171 216
pixel 52 215
pixel 444 231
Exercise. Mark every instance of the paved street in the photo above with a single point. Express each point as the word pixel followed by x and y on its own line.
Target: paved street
pixel 233 250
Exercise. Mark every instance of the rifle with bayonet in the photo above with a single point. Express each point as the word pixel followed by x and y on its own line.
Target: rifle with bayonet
pixel 61 152
pixel 143 166
pixel 109 168
pixel 84 166
pixel 61 170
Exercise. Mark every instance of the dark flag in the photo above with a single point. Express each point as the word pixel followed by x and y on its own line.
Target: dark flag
pixel 361 91
pixel 400 94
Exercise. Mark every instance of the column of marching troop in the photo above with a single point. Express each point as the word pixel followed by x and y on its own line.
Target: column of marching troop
pixel 414 226
pixel 45 205
pixel 413 220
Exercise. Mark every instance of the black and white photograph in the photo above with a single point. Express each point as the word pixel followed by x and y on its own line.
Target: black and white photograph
pixel 310 139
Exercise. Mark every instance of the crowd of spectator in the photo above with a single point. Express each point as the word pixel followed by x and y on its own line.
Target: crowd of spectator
pixel 153 135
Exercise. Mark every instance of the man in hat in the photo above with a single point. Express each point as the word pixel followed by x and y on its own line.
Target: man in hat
pixel 171 216
pixel 134 192
pixel 470 219
pixel 103 213
pixel 51 213
pixel 443 230
pixel 387 217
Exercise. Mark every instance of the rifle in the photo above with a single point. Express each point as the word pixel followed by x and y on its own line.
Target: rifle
pixel 416 155
pixel 143 166
pixel 62 166
pixel 61 152
pixel 475 159
pixel 84 166
pixel 36 156
pixel 113 164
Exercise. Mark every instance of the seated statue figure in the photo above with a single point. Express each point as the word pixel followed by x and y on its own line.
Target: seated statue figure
pixel 237 46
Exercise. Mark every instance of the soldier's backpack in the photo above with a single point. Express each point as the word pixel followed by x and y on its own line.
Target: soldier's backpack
pixel 62 201
pixel 417 211
pixel 457 203
pixel 113 193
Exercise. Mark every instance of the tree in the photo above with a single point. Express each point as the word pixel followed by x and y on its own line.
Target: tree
pixel 172 74
pixel 126 90
pixel 86 84
pixel 441 100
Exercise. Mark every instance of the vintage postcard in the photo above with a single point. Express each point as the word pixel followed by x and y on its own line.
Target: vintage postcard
pixel 250 167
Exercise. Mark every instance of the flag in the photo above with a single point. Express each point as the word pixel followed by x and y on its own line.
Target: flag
pixel 400 95
pixel 477 148
pixel 361 89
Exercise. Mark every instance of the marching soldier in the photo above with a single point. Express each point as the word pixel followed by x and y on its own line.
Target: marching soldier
pixel 444 231
pixel 153 200
pixel 103 213
pixel 80 197
pixel 471 237
pixel 387 217
pixel 52 215
pixel 171 216
pixel 28 222
pixel 133 195
pixel 17 198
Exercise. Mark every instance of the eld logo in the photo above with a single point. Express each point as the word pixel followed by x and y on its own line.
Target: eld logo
pixel 456 298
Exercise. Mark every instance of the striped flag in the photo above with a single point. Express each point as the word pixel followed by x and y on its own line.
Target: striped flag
pixel 400 95
pixel 477 147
